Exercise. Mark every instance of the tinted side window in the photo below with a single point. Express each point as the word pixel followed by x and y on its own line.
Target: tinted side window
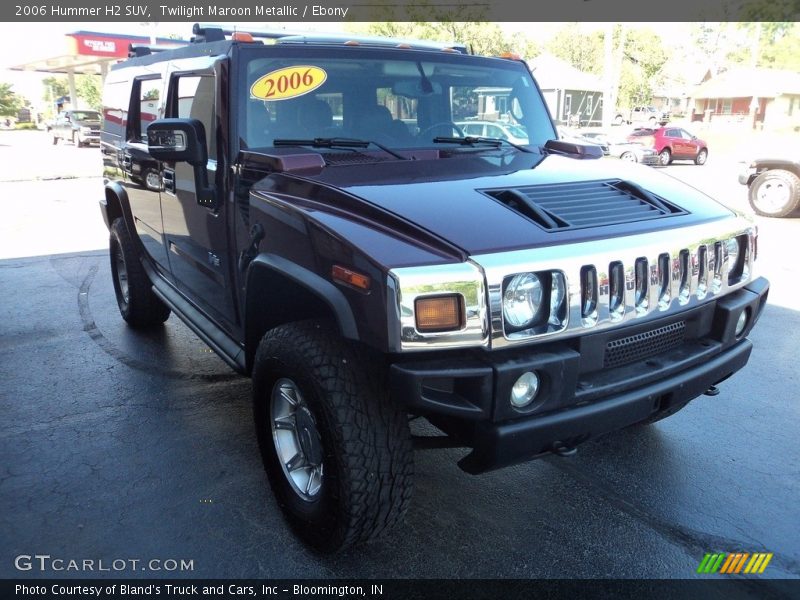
pixel 193 97
pixel 145 102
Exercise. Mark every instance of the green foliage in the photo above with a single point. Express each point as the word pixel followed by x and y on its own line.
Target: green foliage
pixel 89 89
pixel 582 50
pixel 644 58
pixel 25 126
pixel 774 45
pixel 781 48
pixel 640 53
pixel 55 87
pixel 770 10
pixel 10 102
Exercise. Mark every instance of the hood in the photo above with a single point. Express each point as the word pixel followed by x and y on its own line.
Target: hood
pixel 478 203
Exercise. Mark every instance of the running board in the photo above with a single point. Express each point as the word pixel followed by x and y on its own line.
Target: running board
pixel 219 341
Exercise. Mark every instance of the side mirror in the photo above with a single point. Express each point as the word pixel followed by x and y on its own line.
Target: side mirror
pixel 183 140
pixel 590 151
pixel 178 140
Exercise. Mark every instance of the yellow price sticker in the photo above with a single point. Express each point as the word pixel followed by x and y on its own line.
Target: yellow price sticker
pixel 289 82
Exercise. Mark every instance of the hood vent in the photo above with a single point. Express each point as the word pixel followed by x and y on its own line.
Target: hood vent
pixel 562 206
pixel 336 159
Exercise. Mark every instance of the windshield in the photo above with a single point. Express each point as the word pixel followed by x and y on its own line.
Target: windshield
pixel 401 99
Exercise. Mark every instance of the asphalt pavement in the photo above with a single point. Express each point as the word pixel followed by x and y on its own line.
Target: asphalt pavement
pixel 119 445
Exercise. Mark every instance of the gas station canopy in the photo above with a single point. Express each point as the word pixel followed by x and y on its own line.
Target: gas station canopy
pixel 91 52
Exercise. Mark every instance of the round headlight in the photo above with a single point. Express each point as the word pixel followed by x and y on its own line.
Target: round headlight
pixel 558 293
pixel 522 299
pixel 733 252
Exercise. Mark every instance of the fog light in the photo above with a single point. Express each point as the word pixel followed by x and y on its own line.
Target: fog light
pixel 741 322
pixel 524 390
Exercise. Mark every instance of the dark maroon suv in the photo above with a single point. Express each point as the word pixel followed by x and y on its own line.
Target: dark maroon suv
pixel 672 143
pixel 317 215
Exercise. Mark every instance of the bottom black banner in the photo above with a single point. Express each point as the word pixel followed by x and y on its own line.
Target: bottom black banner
pixel 391 589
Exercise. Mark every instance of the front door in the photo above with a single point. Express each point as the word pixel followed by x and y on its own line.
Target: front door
pixel 195 235
pixel 142 179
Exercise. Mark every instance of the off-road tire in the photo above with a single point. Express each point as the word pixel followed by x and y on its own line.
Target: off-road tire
pixel 775 177
pixel 366 445
pixel 140 307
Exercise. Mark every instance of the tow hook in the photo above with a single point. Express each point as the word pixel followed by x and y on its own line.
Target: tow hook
pixel 712 391
pixel 562 450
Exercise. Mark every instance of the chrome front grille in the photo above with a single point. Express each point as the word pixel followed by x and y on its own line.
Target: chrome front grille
pixel 620 280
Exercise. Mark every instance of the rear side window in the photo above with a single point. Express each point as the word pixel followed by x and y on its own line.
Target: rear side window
pixel 193 97
pixel 145 103
pixel 116 99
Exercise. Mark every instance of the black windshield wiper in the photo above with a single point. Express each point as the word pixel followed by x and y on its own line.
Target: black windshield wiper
pixel 471 141
pixel 337 143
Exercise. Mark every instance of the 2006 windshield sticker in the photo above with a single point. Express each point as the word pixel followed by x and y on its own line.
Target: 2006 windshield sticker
pixel 289 82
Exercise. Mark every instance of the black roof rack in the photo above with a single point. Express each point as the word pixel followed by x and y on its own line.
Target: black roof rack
pixel 383 42
pixel 135 50
pixel 214 33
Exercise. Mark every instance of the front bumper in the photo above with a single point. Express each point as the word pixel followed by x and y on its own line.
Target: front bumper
pixel 747 176
pixel 581 396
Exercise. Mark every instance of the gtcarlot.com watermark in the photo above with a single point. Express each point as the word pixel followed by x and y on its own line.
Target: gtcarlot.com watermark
pixel 45 563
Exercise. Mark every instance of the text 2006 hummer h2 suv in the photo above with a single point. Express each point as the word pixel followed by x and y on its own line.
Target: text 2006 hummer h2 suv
pixel 311 209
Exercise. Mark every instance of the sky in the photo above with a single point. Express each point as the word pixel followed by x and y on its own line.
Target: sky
pixel 24 42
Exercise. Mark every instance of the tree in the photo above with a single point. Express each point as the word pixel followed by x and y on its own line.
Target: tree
pixel 55 87
pixel 644 58
pixel 641 58
pixel 88 88
pixel 582 50
pixel 10 102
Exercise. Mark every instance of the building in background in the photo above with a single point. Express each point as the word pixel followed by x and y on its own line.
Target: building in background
pixel 573 97
pixel 767 98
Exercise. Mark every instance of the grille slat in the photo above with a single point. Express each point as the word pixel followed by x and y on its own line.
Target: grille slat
pixel 563 206
pixel 644 345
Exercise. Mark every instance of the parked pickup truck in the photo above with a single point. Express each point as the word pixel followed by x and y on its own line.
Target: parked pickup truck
pixel 317 216
pixel 81 127
pixel 649 115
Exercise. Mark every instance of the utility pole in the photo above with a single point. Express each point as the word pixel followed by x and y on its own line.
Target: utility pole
pixel 756 47
pixel 609 101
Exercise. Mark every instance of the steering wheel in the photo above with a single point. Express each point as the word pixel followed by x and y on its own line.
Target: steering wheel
pixel 449 125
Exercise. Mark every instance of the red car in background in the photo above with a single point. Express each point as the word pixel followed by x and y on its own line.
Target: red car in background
pixel 672 143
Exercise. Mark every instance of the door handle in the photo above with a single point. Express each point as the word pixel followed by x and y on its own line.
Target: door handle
pixel 168 177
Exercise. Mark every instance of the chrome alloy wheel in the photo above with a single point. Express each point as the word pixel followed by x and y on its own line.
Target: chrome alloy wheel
pixel 122 276
pixel 772 195
pixel 296 438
